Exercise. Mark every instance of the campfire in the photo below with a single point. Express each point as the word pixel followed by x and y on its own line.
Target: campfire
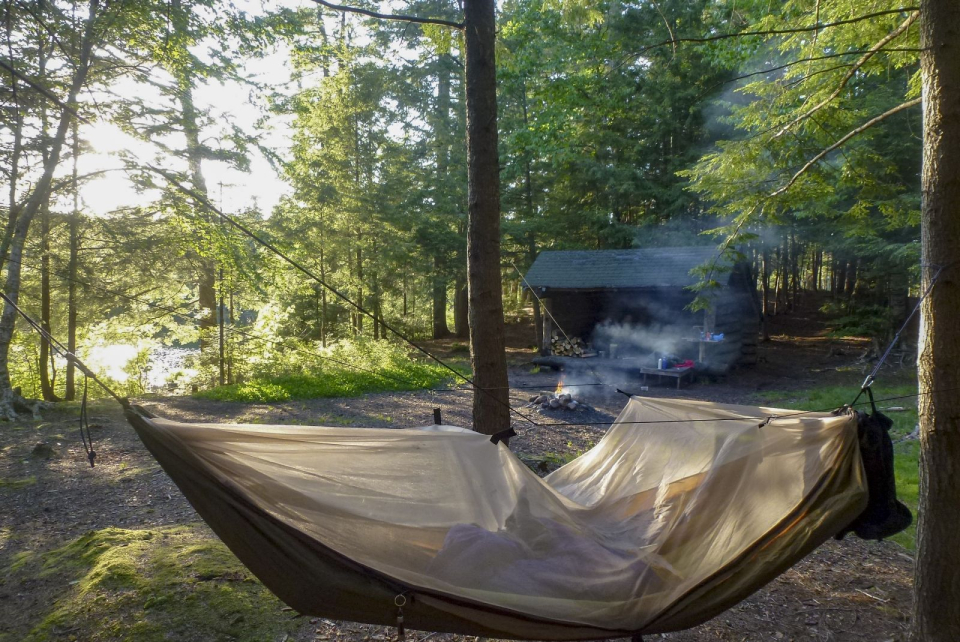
pixel 556 400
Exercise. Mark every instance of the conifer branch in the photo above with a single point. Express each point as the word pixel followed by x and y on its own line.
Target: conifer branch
pixel 800 61
pixel 774 32
pixel 856 132
pixel 850 73
pixel 386 16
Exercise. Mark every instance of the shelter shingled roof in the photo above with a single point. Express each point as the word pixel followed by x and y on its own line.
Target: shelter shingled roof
pixel 608 269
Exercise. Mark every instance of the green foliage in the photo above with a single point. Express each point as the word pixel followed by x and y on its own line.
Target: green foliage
pixel 594 131
pixel 795 97
pixel 858 321
pixel 609 138
pixel 384 366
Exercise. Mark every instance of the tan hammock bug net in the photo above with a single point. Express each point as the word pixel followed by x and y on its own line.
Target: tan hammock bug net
pixel 683 509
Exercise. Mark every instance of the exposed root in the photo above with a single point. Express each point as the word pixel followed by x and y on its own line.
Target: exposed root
pixel 13 406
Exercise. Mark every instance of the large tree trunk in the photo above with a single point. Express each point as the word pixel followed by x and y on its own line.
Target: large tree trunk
pixel 206 278
pixel 190 121
pixel 16 145
pixel 487 353
pixel 46 365
pixel 71 388
pixel 41 191
pixel 937 583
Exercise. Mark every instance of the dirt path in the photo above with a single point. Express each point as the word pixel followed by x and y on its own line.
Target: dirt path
pixel 849 590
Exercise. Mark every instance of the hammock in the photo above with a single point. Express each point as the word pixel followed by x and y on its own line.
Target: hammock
pixel 659 527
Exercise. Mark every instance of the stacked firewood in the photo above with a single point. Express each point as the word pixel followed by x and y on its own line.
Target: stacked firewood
pixel 567 347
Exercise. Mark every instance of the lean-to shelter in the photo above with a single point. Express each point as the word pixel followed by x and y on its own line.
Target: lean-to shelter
pixel 628 307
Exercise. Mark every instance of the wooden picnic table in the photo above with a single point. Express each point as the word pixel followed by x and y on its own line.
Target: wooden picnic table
pixel 676 373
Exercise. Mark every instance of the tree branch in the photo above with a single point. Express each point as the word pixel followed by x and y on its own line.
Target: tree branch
pixel 44 91
pixel 856 132
pixel 774 32
pixel 385 16
pixel 853 70
pixel 800 61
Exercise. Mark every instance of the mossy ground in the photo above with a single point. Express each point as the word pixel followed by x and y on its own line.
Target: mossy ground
pixel 152 585
pixel 906 453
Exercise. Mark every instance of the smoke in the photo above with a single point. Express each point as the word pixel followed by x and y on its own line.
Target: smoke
pixel 625 339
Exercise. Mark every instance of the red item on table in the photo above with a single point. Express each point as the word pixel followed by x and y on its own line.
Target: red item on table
pixel 684 364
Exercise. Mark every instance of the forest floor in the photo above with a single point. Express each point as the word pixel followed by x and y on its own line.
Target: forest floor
pixel 116 553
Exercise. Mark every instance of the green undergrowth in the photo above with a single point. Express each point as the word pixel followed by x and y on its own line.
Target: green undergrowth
pixel 346 370
pixel 899 402
pixel 152 585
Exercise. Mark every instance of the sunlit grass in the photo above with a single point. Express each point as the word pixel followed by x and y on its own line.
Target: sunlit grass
pixel 348 370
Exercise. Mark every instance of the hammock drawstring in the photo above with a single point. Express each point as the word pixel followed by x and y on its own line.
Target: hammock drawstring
pixel 85 426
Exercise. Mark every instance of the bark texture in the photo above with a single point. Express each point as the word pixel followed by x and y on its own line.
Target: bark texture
pixel 206 277
pixel 490 410
pixel 937 582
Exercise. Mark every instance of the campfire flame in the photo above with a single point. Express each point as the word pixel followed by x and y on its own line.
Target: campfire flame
pixel 559 389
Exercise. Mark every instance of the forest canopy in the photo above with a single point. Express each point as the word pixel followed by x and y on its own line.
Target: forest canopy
pixel 786 133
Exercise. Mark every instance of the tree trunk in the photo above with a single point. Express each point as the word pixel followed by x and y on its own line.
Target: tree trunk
pixel 851 284
pixel 461 309
pixel 487 352
pixel 190 121
pixel 47 371
pixel 16 147
pixel 795 258
pixel 359 328
pixel 46 365
pixel 323 294
pixel 440 329
pixel 41 191
pixel 221 328
pixel 376 304
pixel 839 276
pixel 206 279
pixel 937 580
pixel 778 289
pixel 70 392
pixel 765 284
